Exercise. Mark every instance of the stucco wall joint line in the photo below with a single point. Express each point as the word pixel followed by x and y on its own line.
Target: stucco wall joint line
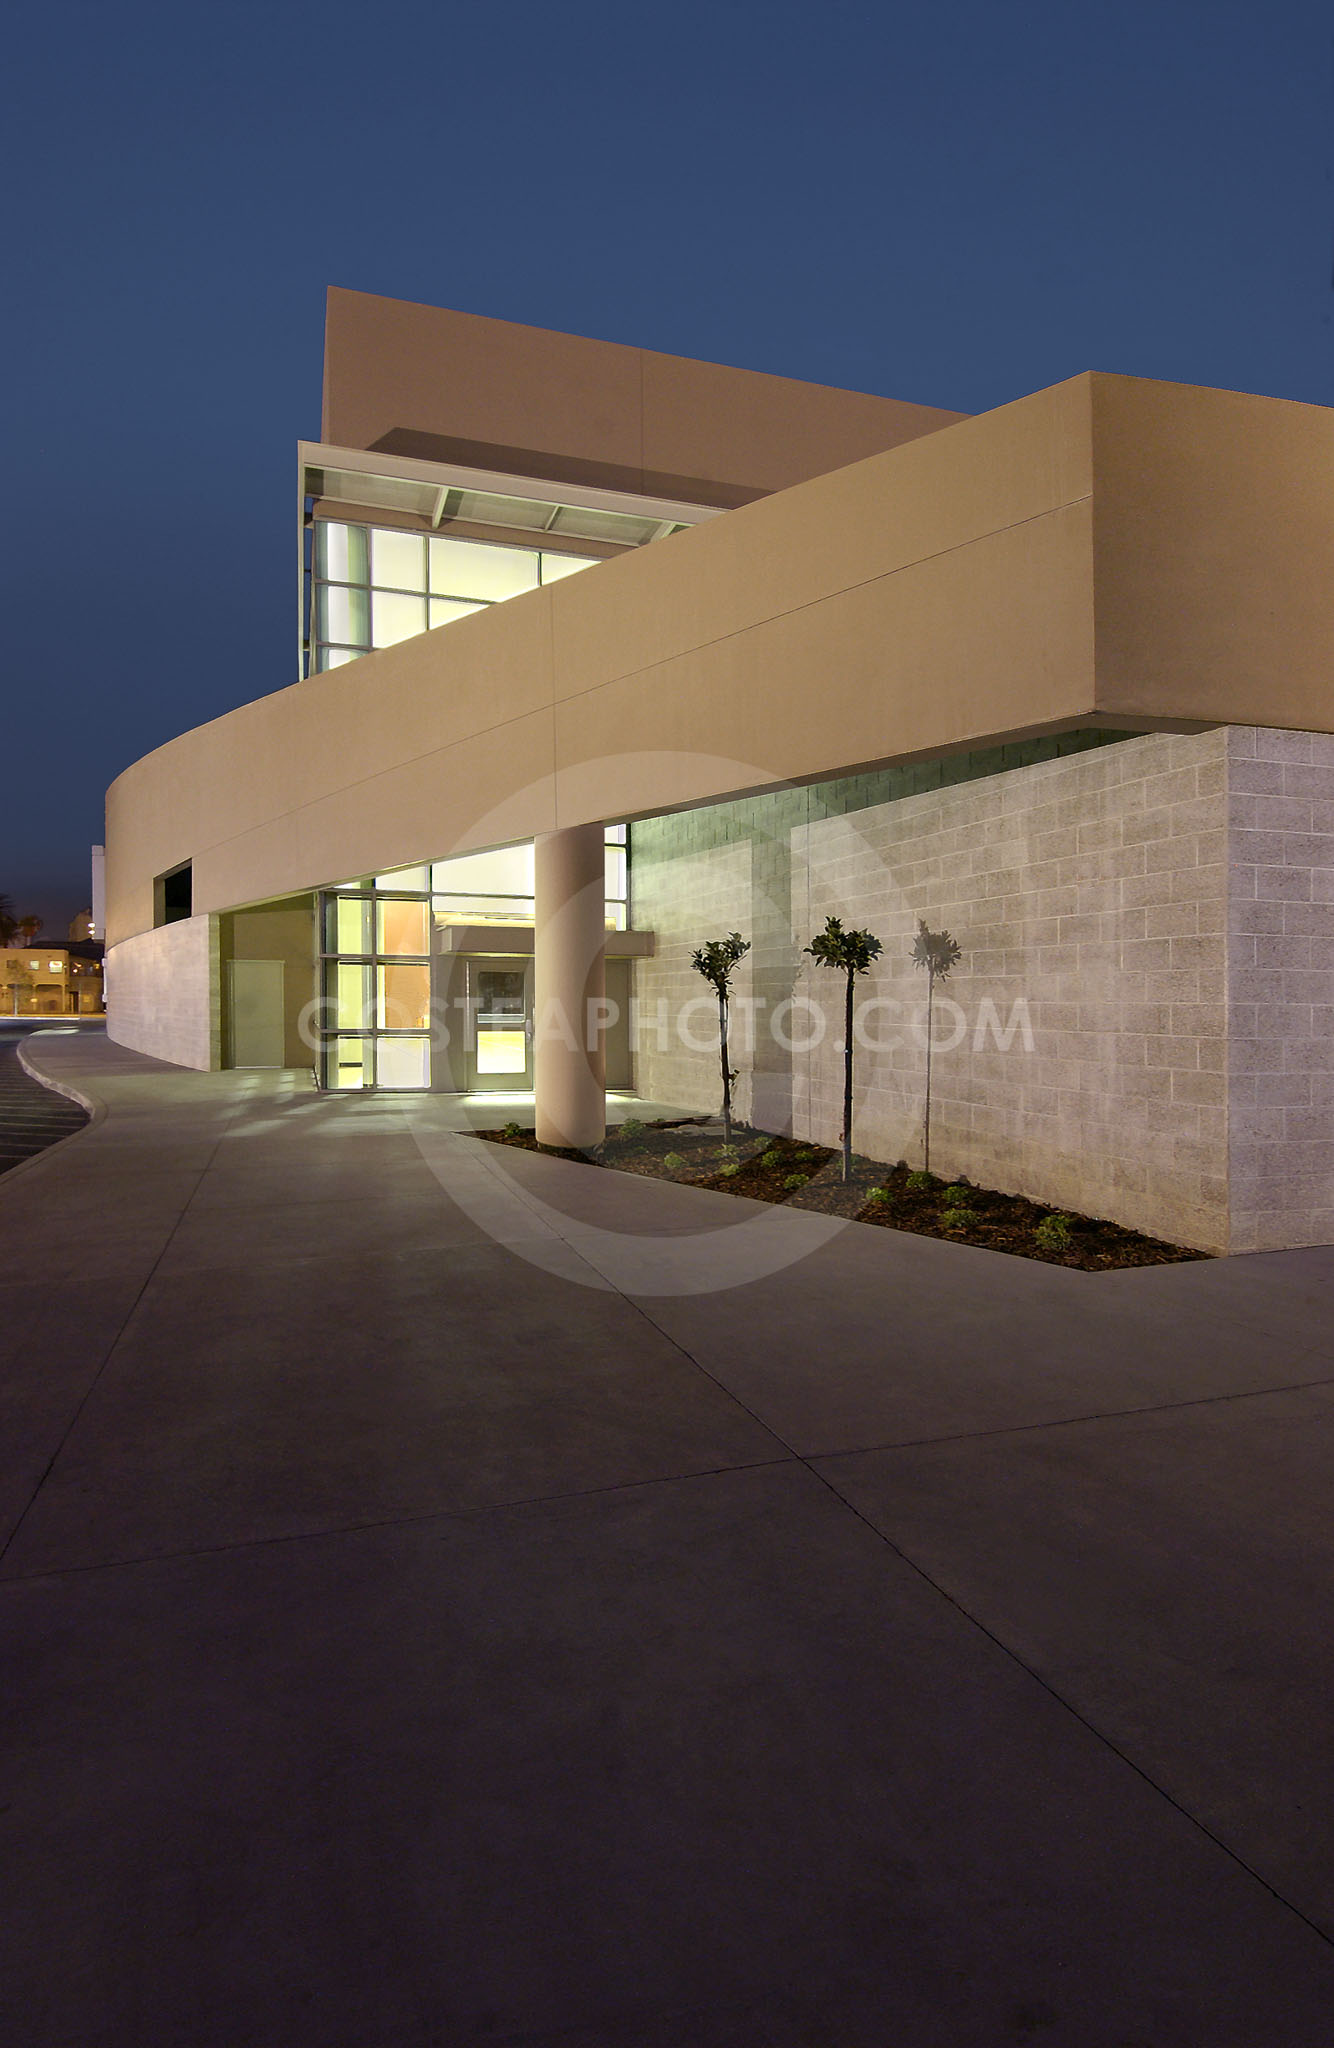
pixel 572 696
pixel 362 781
pixel 551 658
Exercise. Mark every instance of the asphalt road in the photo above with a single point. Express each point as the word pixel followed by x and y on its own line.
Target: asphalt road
pixel 31 1117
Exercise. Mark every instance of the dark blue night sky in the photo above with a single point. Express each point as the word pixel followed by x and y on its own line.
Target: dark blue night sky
pixel 957 204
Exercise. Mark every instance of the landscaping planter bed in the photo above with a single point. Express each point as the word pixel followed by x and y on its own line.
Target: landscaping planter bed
pixel 775 1169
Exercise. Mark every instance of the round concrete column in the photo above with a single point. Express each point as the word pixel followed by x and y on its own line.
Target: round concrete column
pixel 569 987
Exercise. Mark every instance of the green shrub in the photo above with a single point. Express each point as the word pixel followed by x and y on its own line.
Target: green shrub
pixel 631 1128
pixel 773 1157
pixel 726 1172
pixel 1054 1233
pixel 959 1217
pixel 881 1195
pixel 674 1161
pixel 511 1130
pixel 956 1195
pixel 796 1180
pixel 919 1182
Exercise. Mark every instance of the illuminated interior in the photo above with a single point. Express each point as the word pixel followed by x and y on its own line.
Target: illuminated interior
pixel 376 585
pixel 376 936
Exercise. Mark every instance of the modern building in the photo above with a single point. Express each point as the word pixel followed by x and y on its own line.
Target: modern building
pixel 605 652
pixel 51 981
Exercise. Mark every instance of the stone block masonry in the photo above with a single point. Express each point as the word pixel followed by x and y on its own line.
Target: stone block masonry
pixel 164 993
pixel 1143 1001
pixel 1280 1026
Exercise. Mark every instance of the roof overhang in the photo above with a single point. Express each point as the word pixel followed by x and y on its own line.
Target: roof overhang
pixel 435 491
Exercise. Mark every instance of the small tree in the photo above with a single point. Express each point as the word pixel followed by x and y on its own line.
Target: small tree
pixel 9 924
pixel 854 953
pixel 937 953
pixel 716 960
pixel 28 929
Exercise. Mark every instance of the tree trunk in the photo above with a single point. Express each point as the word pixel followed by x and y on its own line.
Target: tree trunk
pixel 727 1070
pixel 930 1000
pixel 847 1086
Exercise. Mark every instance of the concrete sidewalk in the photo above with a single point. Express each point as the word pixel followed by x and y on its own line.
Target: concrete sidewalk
pixel 430 1618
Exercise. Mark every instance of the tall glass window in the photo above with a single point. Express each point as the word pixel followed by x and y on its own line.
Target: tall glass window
pixel 497 888
pixel 376 938
pixel 377 585
pixel 376 983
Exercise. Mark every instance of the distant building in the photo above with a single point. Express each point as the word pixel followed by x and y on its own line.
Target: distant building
pixel 51 981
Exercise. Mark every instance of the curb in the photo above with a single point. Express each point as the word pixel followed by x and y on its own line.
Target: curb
pixel 94 1104
pixel 96 1108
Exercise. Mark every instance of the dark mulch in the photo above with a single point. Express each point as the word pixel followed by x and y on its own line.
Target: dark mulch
pixel 773 1169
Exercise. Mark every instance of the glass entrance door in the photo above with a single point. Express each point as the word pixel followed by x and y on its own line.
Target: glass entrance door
pixel 500 1003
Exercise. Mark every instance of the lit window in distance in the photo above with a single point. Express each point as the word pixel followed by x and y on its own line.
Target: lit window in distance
pixel 482 909
pixel 469 568
pixel 344 615
pixel 402 928
pixel 398 560
pixel 556 566
pixel 351 993
pixel 446 609
pixel 350 918
pixel 501 1052
pixel 340 551
pixel 403 1062
pixel 349 1059
pixel 411 881
pixel 508 871
pixel 403 997
pixel 395 618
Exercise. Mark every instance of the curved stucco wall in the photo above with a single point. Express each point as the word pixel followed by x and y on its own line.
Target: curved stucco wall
pixel 1106 549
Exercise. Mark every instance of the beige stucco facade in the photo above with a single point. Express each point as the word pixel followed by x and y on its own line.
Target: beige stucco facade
pixel 888 584
pixel 455 387
pixel 46 980
pixel 1108 550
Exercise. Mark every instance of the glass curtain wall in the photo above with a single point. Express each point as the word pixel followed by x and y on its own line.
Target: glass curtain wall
pixel 497 888
pixel 376 983
pixel 377 585
pixel 375 963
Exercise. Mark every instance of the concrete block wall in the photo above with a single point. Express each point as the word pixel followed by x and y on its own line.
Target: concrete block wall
pixel 164 993
pixel 1092 886
pixel 695 874
pixel 1092 891
pixel 1280 988
pixel 689 898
